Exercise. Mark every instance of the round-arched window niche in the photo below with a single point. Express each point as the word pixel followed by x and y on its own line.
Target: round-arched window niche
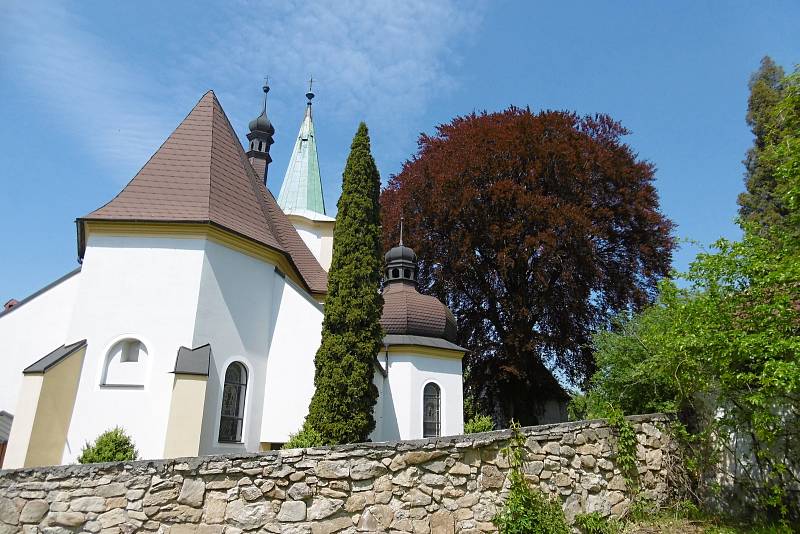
pixel 126 363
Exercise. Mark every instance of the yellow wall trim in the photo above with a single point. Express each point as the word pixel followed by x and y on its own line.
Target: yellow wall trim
pixel 426 351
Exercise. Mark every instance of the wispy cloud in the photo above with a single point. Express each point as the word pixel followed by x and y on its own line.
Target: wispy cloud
pixel 80 82
pixel 380 61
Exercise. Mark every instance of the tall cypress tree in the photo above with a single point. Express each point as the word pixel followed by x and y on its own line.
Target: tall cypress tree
pixel 341 409
pixel 759 203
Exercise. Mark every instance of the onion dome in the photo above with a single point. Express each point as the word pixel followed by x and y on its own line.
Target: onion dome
pixel 260 137
pixel 262 124
pixel 405 310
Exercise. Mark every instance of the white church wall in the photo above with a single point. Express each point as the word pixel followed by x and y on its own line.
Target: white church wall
pixel 318 237
pixel 402 405
pixel 30 331
pixel 235 315
pixel 143 288
pixel 290 366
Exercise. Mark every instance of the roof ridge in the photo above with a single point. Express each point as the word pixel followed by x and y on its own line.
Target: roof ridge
pixel 251 175
pixel 260 191
pixel 211 149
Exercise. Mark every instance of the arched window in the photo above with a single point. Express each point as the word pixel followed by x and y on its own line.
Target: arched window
pixel 431 412
pixel 232 416
pixel 126 363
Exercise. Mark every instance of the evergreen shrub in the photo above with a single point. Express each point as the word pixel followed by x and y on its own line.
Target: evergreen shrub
pixel 110 446
pixel 304 438
pixel 341 408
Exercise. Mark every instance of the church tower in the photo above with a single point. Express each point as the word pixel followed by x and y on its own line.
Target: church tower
pixel 301 197
pixel 260 137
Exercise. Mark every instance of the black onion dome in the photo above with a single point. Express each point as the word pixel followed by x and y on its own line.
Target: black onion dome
pixel 262 124
pixel 400 253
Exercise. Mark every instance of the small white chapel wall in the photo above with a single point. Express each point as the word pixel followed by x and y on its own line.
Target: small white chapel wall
pixel 401 405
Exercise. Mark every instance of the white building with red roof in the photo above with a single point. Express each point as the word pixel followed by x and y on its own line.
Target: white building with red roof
pixel 196 313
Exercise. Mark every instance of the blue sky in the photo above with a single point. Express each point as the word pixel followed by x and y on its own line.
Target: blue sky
pixel 90 89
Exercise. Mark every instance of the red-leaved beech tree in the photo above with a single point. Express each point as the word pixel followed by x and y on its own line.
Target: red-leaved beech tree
pixel 535 228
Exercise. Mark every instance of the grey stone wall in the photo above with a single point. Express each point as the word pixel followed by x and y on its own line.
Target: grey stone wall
pixel 453 484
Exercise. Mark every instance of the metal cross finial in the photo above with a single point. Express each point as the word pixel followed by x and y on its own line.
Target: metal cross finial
pixel 401 230
pixel 266 90
pixel 310 94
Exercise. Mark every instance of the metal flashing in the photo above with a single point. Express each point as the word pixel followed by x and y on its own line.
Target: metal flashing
pixel 421 341
pixel 42 365
pixel 196 361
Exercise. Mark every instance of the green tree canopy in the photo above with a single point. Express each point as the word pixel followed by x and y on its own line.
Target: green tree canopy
pixel 341 408
pixel 724 351
pixel 760 203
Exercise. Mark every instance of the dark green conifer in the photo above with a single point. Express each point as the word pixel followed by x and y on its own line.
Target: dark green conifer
pixel 759 203
pixel 341 409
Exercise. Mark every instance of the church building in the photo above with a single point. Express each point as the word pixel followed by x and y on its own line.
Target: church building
pixel 196 312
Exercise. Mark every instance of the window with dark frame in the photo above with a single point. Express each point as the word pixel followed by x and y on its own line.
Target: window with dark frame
pixel 232 416
pixel 431 419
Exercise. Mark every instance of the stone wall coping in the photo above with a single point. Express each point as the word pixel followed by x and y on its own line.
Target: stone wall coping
pixel 547 432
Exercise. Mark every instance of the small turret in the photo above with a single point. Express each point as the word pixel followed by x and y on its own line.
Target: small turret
pixel 405 310
pixel 401 262
pixel 260 137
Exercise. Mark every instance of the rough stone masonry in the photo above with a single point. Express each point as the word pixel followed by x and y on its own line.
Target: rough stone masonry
pixel 443 485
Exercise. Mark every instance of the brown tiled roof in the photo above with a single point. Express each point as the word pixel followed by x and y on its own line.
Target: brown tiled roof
pixel 201 174
pixel 406 311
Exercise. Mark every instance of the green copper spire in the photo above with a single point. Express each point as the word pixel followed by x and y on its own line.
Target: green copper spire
pixel 301 191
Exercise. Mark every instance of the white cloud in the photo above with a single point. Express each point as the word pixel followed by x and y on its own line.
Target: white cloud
pixel 78 80
pixel 380 61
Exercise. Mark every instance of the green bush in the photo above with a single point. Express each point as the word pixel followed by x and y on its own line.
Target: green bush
pixel 478 423
pixel 527 510
pixel 110 446
pixel 304 438
pixel 578 407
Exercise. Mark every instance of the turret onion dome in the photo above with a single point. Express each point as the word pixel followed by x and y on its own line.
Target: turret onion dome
pixel 401 253
pixel 405 310
pixel 262 124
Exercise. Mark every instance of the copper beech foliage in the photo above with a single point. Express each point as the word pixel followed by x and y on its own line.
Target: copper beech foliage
pixel 535 228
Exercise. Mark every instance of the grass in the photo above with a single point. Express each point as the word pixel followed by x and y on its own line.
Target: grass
pixel 708 525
